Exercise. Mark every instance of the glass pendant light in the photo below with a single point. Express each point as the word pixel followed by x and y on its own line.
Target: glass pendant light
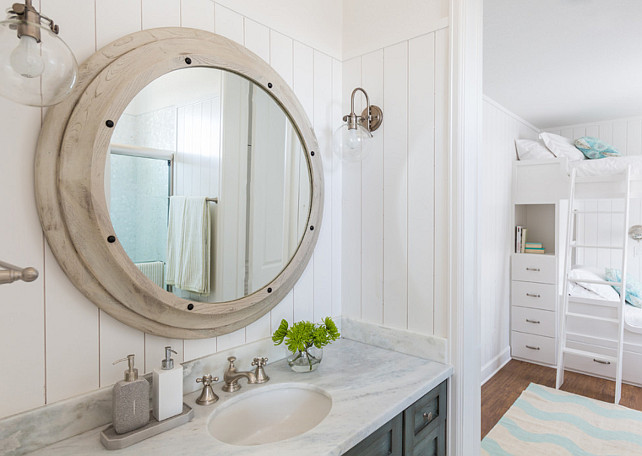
pixel 37 68
pixel 352 139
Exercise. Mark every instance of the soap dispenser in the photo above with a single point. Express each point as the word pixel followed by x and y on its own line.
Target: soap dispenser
pixel 168 388
pixel 130 401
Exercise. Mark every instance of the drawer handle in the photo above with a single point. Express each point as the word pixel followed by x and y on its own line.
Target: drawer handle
pixel 533 269
pixel 537 322
pixel 532 348
pixel 532 295
pixel 601 361
pixel 428 416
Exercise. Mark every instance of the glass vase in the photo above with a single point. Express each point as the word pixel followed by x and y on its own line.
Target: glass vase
pixel 305 360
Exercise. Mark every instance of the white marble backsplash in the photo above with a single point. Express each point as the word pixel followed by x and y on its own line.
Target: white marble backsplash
pixel 399 340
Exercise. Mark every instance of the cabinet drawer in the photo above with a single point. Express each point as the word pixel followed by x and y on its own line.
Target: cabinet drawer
pixel 385 441
pixel 534 268
pixel 540 349
pixel 533 321
pixel 594 366
pixel 533 294
pixel 422 419
pixel 434 444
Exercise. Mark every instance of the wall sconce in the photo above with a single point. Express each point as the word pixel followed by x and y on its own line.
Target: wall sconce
pixel 37 68
pixel 351 138
pixel 11 273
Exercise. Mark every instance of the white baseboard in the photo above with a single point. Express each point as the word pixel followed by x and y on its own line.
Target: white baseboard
pixel 495 364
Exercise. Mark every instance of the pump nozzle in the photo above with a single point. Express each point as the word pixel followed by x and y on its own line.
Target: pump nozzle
pixel 131 373
pixel 168 362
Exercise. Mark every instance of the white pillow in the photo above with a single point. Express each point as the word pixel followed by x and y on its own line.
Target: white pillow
pixel 561 146
pixel 598 291
pixel 528 149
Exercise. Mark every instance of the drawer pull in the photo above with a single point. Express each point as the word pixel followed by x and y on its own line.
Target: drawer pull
pixel 428 416
pixel 601 361
pixel 533 269
pixel 532 295
pixel 537 322
pixel 532 348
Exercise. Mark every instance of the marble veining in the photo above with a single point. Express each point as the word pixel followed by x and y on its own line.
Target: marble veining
pixel 368 385
pixel 401 340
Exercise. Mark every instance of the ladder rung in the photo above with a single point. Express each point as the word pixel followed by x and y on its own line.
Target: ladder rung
pixel 588 354
pixel 595 302
pixel 597 282
pixel 592 317
pixel 586 246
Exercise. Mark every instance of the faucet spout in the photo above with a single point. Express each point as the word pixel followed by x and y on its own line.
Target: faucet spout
pixel 231 377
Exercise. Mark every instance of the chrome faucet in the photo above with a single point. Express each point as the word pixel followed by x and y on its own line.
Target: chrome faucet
pixel 231 377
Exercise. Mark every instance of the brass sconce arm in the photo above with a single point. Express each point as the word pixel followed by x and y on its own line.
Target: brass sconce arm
pixel 11 273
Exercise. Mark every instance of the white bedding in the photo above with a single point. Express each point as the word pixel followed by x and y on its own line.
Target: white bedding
pixel 606 166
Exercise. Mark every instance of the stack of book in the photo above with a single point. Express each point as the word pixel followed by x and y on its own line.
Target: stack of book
pixel 533 247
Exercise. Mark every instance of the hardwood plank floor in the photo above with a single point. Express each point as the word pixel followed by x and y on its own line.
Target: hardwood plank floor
pixel 499 393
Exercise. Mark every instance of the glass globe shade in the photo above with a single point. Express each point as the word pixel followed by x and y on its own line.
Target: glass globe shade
pixel 351 145
pixel 32 73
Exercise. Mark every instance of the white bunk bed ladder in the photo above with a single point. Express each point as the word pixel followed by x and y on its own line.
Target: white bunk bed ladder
pixel 621 182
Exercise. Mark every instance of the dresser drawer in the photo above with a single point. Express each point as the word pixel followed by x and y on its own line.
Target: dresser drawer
pixel 424 422
pixel 533 321
pixel 534 268
pixel 533 294
pixel 540 349
pixel 595 366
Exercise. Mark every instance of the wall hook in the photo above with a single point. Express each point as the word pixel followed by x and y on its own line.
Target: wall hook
pixel 10 273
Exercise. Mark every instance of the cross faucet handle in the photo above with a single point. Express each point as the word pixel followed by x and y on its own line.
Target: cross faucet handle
pixel 207 380
pixel 259 362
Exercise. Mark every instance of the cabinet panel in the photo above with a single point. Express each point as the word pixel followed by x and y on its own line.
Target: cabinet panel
pixel 433 444
pixel 533 294
pixel 385 441
pixel 422 420
pixel 533 321
pixel 532 347
pixel 534 268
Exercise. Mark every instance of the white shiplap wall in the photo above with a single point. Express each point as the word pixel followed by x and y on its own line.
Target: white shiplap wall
pixel 56 343
pixel 394 219
pixel 606 229
pixel 500 129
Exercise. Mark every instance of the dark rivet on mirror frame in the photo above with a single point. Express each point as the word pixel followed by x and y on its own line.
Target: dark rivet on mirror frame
pixel 110 123
pixel 269 85
pixel 269 290
pixel 190 306
pixel 111 239
pixel 188 60
pixel 312 153
pixel 311 227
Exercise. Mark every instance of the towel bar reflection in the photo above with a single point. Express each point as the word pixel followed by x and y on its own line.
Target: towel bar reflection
pixel 212 200
pixel 10 273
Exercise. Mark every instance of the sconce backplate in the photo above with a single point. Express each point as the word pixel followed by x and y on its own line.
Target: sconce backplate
pixel 376 117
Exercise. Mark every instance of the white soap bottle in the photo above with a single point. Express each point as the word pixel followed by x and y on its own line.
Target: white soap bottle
pixel 168 388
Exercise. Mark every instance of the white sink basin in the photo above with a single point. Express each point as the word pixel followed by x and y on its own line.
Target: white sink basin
pixel 270 414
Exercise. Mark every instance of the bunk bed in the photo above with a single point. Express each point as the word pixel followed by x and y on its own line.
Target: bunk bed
pixel 538 184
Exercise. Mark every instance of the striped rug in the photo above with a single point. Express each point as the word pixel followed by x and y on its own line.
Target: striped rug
pixel 545 421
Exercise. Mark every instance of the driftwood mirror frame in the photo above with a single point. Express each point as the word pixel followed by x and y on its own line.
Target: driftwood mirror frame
pixel 70 173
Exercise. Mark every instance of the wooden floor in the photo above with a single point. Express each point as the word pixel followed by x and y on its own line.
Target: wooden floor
pixel 499 393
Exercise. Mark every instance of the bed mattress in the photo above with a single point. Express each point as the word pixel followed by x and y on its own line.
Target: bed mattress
pixel 607 166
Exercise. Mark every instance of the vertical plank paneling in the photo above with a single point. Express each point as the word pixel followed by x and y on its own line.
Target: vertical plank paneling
pixel 323 128
pixel 196 348
pixel 421 109
pixel 161 13
pixel 259 329
pixel 281 56
pixel 233 339
pixel 634 137
pixel 395 186
pixel 198 14
pixel 303 294
pixel 283 311
pixel 372 198
pixel 228 23
pixel 111 23
pixel 116 342
pixel 257 39
pixel 65 306
pixel 337 191
pixel 155 351
pixel 619 135
pixel 351 209
pixel 442 172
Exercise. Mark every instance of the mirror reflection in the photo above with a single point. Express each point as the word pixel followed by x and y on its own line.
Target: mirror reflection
pixel 207 184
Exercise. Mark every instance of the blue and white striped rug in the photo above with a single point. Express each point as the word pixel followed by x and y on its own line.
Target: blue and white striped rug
pixel 545 421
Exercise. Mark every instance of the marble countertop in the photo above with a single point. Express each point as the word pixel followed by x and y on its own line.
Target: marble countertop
pixel 368 385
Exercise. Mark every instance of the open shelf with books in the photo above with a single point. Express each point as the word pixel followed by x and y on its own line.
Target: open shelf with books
pixel 535 229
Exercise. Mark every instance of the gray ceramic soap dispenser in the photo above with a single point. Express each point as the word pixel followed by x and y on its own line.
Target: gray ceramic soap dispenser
pixel 130 401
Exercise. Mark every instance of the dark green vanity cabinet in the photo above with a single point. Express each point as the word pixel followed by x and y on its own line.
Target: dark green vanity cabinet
pixel 420 430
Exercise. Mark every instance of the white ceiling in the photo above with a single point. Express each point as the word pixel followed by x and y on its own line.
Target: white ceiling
pixel 564 62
